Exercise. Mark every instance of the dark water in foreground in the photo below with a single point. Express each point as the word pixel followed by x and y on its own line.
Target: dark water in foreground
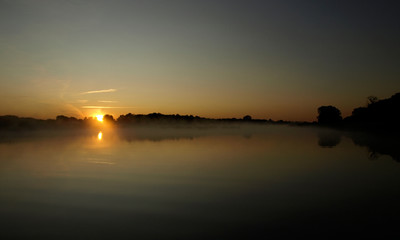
pixel 248 183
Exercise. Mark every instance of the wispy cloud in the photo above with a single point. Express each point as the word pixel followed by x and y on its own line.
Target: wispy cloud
pixel 106 101
pixel 101 91
pixel 101 107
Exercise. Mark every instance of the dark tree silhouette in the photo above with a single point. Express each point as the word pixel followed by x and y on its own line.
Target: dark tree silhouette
pixel 62 118
pixel 378 114
pixel 247 118
pixel 329 115
pixel 108 118
pixel 372 100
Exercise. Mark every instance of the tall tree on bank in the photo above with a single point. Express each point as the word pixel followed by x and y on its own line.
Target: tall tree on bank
pixel 329 115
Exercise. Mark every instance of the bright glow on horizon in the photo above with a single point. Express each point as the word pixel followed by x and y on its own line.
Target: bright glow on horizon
pixel 100 118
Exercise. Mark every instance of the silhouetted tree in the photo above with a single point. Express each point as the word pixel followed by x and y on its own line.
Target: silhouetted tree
pixel 329 115
pixel 62 118
pixel 247 118
pixel 108 118
pixel 372 100
pixel 16 123
pixel 68 121
pixel 378 114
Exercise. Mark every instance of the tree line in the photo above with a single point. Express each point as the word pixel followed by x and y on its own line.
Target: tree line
pixel 64 122
pixel 378 114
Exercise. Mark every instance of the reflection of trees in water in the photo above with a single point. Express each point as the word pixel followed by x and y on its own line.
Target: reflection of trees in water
pixel 154 137
pixel 376 144
pixel 329 139
pixel 157 134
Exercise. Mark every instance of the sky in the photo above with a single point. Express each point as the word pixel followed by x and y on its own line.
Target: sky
pixel 268 59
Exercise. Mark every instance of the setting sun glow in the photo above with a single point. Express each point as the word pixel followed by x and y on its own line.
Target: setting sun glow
pixel 99 118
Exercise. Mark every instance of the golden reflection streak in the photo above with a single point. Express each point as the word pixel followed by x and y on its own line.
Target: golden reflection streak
pixel 100 136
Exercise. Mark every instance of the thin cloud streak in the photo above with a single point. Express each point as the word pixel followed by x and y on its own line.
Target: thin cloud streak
pixel 105 101
pixel 101 91
pixel 98 107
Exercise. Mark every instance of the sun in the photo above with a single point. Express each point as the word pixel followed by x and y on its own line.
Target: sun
pixel 99 118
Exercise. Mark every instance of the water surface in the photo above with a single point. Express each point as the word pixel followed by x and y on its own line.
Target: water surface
pixel 248 182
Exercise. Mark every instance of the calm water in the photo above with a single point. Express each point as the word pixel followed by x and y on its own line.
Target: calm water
pixel 218 183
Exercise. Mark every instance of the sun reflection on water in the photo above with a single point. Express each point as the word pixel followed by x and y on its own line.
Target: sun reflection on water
pixel 100 136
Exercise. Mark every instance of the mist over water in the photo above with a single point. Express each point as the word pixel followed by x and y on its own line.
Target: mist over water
pixel 244 181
